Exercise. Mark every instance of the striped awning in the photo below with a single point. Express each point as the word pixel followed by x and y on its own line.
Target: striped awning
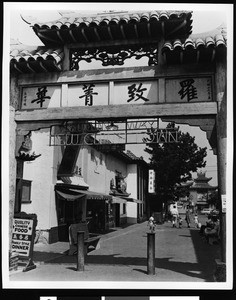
pixel 69 197
pixel 71 194
pixel 118 200
pixel 133 200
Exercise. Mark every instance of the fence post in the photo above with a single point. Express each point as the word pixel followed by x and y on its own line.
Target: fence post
pixel 80 251
pixel 151 253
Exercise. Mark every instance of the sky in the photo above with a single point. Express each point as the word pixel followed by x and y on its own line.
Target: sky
pixel 205 18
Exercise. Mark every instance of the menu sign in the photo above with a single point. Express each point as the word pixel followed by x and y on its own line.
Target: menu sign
pixel 22 236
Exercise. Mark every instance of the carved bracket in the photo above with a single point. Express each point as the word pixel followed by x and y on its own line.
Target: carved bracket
pixel 114 55
pixel 206 123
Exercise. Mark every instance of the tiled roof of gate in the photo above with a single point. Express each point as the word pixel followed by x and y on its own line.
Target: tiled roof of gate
pixel 78 28
pixel 34 59
pixel 197 47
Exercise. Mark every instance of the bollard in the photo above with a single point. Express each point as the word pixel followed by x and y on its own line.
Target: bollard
pixel 151 253
pixel 80 251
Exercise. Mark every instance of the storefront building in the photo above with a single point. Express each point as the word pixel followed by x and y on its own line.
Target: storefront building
pixel 84 180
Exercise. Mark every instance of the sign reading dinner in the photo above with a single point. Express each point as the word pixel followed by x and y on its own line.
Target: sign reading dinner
pixel 91 94
pixel 22 236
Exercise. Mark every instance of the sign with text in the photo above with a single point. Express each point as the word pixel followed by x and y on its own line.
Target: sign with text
pixel 88 94
pixel 151 181
pixel 189 89
pixel 223 203
pixel 22 236
pixel 140 92
pixel 111 132
pixel 92 93
pixel 41 97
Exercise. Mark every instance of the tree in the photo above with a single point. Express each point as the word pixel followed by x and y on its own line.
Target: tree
pixel 174 162
pixel 213 199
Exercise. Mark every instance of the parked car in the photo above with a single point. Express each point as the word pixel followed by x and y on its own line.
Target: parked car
pixel 206 211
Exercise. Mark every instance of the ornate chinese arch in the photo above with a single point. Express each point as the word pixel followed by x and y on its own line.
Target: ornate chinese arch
pixel 184 82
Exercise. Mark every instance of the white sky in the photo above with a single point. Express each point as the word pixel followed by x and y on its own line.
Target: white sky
pixel 205 18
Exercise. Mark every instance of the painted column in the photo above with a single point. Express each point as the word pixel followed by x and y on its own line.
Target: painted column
pixel 14 99
pixel 221 145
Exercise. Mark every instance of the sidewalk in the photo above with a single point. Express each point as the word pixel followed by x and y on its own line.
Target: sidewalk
pixel 181 256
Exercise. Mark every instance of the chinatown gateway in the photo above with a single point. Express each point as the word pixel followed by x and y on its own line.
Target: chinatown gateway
pixel 53 103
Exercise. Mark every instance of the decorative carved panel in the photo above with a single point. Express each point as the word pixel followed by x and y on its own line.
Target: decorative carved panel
pixel 114 55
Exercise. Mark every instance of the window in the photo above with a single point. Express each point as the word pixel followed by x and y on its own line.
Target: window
pixel 26 191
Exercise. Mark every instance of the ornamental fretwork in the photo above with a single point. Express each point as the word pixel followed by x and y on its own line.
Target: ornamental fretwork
pixel 115 56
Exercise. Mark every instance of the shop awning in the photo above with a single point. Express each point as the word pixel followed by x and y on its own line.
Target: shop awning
pixel 93 195
pixel 133 200
pixel 75 194
pixel 118 200
pixel 69 197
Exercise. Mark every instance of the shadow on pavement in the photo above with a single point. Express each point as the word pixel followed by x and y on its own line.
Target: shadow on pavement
pixel 189 269
pixel 205 253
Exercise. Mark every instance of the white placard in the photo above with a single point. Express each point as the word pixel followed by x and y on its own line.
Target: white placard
pixel 22 236
pixel 223 203
pixel 151 182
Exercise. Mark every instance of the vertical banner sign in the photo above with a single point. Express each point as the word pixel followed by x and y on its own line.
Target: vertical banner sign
pixel 223 203
pixel 23 234
pixel 151 182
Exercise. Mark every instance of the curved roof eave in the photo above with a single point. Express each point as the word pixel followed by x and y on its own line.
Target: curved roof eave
pixel 77 28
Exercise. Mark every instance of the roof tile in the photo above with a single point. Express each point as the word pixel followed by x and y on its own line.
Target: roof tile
pixel 23 55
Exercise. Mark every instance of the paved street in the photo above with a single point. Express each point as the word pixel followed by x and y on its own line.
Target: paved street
pixel 181 255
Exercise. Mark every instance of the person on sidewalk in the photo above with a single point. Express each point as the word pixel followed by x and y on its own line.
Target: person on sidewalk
pixel 180 222
pixel 174 220
pixel 196 220
pixel 187 217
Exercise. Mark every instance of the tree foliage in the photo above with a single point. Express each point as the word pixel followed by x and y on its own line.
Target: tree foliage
pixel 213 198
pixel 174 162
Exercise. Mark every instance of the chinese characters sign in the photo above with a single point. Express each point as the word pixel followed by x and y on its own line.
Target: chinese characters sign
pixel 137 92
pixel 145 92
pixel 151 182
pixel 189 90
pixel 41 97
pixel 88 94
pixel 22 236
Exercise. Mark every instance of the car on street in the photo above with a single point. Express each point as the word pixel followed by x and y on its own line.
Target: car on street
pixel 206 211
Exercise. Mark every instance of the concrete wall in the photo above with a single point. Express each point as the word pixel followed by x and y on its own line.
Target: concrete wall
pixel 132 180
pixel 131 212
pixel 42 174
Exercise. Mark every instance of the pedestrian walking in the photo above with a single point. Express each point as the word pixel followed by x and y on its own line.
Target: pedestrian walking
pixel 174 220
pixel 196 220
pixel 180 222
pixel 187 217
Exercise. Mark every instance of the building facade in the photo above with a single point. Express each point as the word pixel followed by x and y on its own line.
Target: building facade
pixel 107 187
pixel 200 190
